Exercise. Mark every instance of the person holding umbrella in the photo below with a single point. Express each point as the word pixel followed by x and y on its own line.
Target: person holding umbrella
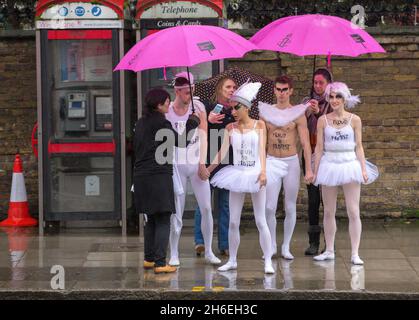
pixel 340 161
pixel 319 106
pixel 217 122
pixel 153 184
pixel 190 162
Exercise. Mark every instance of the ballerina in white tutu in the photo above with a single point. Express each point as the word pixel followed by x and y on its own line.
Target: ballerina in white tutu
pixel 247 175
pixel 340 161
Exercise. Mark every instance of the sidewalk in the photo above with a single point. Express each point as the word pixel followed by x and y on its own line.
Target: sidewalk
pixel 102 264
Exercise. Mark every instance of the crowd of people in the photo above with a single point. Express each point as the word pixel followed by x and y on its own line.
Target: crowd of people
pixel 225 153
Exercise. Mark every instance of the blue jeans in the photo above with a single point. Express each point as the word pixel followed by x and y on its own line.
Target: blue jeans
pixel 223 220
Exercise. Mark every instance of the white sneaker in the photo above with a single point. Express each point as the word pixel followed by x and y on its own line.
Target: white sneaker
pixel 269 268
pixel 327 255
pixel 228 266
pixel 212 259
pixel 355 259
pixel 174 261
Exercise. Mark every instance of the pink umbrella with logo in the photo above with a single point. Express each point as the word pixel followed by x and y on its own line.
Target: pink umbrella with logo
pixel 184 46
pixel 316 34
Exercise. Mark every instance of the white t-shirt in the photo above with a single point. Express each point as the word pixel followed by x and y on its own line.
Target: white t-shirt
pixel 190 154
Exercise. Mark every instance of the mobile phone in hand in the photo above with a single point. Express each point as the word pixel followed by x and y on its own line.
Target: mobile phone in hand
pixel 217 109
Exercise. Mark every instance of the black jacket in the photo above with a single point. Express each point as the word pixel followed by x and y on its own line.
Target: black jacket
pixel 146 144
pixel 214 145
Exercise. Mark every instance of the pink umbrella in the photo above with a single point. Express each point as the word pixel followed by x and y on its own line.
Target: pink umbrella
pixel 184 46
pixel 316 34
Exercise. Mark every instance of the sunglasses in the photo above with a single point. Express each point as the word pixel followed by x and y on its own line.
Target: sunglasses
pixel 281 89
pixel 237 106
pixel 338 96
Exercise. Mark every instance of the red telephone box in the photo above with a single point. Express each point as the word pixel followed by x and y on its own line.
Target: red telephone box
pixel 84 111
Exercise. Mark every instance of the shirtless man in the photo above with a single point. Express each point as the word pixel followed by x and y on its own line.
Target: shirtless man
pixel 285 124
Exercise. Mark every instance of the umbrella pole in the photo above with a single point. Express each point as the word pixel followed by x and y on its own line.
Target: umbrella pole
pixel 314 64
pixel 190 88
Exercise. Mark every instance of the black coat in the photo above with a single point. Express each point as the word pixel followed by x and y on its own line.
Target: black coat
pixel 215 145
pixel 153 184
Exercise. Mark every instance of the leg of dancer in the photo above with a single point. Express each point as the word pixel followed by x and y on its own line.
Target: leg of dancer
pixel 202 193
pixel 291 187
pixel 329 195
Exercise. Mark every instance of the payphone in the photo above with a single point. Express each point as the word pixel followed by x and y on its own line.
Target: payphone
pixel 84 112
pixel 73 112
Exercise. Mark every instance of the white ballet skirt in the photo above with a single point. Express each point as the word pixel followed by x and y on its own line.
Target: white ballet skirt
pixel 243 175
pixel 336 169
pixel 339 164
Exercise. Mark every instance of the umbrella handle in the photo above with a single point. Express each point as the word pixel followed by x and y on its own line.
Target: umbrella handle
pixel 190 88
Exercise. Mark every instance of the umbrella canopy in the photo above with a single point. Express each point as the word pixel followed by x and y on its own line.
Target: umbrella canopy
pixel 184 46
pixel 205 89
pixel 316 34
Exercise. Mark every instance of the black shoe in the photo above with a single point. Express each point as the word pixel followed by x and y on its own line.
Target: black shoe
pixel 312 250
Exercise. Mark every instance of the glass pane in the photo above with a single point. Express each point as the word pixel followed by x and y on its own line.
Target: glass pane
pixel 82 184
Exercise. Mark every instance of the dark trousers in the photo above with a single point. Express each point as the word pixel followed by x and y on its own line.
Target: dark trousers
pixel 156 238
pixel 314 198
pixel 313 204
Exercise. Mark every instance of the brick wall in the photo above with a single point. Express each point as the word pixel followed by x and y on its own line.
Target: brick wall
pixel 387 84
pixel 17 112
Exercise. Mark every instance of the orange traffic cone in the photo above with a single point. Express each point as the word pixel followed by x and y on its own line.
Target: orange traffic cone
pixel 18 214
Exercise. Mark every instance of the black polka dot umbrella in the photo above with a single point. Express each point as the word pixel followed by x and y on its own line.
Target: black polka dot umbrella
pixel 205 89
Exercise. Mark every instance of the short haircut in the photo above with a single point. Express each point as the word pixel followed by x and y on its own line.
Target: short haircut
pixel 285 80
pixel 153 98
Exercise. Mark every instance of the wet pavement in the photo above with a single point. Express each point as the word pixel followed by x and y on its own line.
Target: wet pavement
pixel 99 263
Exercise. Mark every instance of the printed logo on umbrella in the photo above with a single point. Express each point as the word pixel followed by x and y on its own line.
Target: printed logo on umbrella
pixel 285 41
pixel 206 46
pixel 358 39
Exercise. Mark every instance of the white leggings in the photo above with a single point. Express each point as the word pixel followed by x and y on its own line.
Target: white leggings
pixel 202 193
pixel 291 184
pixel 236 206
pixel 352 192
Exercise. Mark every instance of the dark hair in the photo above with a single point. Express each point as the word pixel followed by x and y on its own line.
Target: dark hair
pixel 219 86
pixel 325 73
pixel 181 81
pixel 285 80
pixel 153 98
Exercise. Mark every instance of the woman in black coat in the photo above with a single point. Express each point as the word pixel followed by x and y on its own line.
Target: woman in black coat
pixel 153 169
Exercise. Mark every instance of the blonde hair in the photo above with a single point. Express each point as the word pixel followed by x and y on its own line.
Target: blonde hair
pixel 219 87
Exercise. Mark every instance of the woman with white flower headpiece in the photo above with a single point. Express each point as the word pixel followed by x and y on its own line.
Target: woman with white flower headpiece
pixel 246 175
pixel 340 161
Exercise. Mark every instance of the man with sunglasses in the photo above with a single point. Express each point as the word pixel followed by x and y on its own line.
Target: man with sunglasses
pixel 285 124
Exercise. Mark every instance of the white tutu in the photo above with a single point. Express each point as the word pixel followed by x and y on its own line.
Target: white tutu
pixel 275 169
pixel 237 179
pixel 338 168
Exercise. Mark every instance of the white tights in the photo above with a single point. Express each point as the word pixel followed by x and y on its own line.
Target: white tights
pixel 352 193
pixel 236 206
pixel 291 184
pixel 202 193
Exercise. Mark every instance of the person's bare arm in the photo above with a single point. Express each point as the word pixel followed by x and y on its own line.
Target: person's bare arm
pixel 319 145
pixel 261 127
pixel 203 144
pixel 305 143
pixel 359 149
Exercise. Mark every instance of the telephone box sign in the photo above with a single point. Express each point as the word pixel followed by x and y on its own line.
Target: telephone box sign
pixel 178 10
pixel 79 9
